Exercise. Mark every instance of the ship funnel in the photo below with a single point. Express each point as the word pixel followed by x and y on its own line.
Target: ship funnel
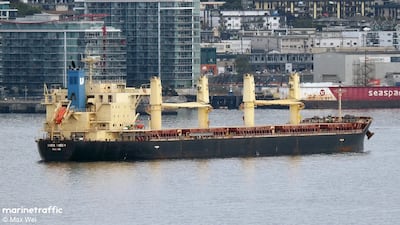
pixel 155 103
pixel 249 99
pixel 76 88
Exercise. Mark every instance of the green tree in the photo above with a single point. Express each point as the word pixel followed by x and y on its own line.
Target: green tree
pixel 300 22
pixel 242 64
pixel 24 9
pixel 232 5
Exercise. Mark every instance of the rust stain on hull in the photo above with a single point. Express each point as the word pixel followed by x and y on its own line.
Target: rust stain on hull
pixel 345 149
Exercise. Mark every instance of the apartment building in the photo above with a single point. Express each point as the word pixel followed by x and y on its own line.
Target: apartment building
pixel 6 12
pixel 319 8
pixel 38 50
pixel 163 38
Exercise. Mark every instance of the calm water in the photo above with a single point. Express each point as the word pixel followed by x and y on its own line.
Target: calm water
pixel 319 189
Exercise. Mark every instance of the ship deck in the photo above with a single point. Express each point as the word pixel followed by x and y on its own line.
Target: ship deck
pixel 313 126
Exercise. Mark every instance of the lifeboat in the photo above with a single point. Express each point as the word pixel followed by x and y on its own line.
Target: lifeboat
pixel 60 115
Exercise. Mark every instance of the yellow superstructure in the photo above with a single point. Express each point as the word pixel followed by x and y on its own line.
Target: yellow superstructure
pixel 111 108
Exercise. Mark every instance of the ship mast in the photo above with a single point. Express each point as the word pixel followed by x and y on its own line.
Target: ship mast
pixel 249 99
pixel 156 104
pixel 90 61
pixel 340 102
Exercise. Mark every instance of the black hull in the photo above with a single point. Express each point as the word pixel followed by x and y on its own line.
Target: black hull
pixel 233 102
pixel 359 104
pixel 69 150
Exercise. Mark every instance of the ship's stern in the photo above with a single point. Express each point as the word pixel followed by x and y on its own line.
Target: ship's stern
pixel 55 150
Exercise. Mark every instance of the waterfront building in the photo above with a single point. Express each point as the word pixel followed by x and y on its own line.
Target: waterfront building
pixel 389 9
pixel 163 38
pixel 250 20
pixel 355 39
pixel 230 46
pixel 79 7
pixel 356 67
pixel 52 5
pixel 6 12
pixel 209 61
pixel 38 50
pixel 210 14
pixel 281 63
pixel 319 8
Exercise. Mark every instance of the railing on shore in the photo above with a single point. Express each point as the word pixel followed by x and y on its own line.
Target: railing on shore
pixel 21 105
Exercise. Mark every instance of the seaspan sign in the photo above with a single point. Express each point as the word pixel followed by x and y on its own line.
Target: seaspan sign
pixel 369 93
pixel 384 93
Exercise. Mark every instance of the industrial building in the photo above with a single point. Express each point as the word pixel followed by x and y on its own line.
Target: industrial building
pixel 358 68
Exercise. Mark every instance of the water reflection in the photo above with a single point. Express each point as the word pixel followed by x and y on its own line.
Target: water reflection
pixel 203 170
pixel 294 163
pixel 248 166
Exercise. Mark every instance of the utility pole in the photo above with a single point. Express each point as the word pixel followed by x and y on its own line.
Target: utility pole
pixel 340 102
pixel 365 61
pixel 26 92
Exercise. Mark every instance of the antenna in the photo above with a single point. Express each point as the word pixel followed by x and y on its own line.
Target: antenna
pixel 91 60
pixel 340 102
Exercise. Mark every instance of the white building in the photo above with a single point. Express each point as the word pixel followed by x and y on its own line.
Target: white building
pixel 231 46
pixel 356 39
pixel 250 20
pixel 5 11
pixel 210 13
pixel 354 68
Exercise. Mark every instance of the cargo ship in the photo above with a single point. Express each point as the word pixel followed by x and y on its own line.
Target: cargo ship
pixel 324 96
pixel 95 120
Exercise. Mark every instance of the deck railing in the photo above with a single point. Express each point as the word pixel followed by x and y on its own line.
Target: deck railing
pixel 241 132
